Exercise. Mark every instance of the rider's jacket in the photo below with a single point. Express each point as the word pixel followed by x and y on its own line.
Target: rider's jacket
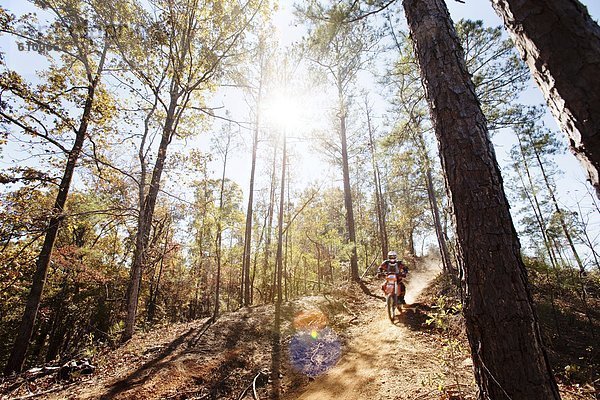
pixel 393 266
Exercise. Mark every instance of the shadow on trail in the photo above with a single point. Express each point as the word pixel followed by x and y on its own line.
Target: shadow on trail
pixel 414 317
pixel 145 372
pixel 367 291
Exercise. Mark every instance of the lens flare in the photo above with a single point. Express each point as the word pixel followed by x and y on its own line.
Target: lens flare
pixel 314 352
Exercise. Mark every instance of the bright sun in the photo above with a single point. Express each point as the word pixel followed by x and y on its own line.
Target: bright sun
pixel 282 111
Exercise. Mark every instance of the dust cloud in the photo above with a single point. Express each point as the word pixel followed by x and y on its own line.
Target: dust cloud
pixel 421 276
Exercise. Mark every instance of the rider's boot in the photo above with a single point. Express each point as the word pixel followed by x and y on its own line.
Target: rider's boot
pixel 401 294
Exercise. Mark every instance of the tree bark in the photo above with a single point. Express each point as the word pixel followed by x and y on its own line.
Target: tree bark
pixel 219 229
pixel 433 202
pixel 560 43
pixel 276 367
pixel 512 364
pixel 435 212
pixel 270 213
pixel 248 229
pixel 155 286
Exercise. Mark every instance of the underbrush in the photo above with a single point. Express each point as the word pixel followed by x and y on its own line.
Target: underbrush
pixel 569 318
pixel 445 320
pixel 568 307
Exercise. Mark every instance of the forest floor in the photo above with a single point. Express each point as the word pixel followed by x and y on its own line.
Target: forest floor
pixel 335 346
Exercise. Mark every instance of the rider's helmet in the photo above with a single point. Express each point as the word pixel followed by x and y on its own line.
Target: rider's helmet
pixel 392 255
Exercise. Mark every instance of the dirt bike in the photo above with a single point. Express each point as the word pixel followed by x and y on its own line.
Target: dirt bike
pixel 391 288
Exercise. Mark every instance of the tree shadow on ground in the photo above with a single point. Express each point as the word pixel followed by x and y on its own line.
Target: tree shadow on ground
pixel 145 372
pixel 414 317
pixel 367 291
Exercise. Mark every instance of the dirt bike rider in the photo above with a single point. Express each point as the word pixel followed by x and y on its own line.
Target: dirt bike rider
pixel 394 266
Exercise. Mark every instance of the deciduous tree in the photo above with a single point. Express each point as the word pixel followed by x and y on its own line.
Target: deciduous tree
pixel 70 35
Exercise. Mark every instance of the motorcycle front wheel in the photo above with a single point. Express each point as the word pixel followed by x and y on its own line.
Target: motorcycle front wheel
pixel 391 307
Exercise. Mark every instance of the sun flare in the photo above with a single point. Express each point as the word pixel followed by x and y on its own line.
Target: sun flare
pixel 283 111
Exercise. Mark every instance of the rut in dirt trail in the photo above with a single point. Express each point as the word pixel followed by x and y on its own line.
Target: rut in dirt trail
pixel 382 360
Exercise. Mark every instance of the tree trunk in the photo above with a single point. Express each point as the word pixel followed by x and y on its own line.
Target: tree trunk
pixel 433 202
pixel 379 206
pixel 270 213
pixel 559 212
pixel 145 221
pixel 155 288
pixel 539 217
pixel 248 230
pixel 219 231
pixel 560 43
pixel 435 212
pixel 25 330
pixel 497 299
pixel 276 367
pixel 348 198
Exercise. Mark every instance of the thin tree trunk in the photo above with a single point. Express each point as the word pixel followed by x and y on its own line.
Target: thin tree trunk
pixel 145 221
pixel 560 43
pixel 248 229
pixel 559 212
pixel 535 204
pixel 539 216
pixel 348 196
pixel 276 368
pixel 25 330
pixel 379 206
pixel 497 299
pixel 435 212
pixel 271 212
pixel 219 230
pixel 567 234
pixel 154 290
pixel 286 260
pixel 588 240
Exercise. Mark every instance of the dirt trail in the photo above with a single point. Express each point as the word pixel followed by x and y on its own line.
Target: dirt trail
pixel 365 370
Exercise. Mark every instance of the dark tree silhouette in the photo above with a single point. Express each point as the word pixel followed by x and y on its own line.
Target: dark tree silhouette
pixel 506 346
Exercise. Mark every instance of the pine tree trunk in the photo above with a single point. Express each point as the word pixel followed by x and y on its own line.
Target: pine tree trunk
pixel 512 364
pixel 539 216
pixel 560 43
pixel 433 202
pixel 279 272
pixel 348 200
pixel 248 229
pixel 271 212
pixel 155 288
pixel 435 212
pixel 379 206
pixel 219 232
